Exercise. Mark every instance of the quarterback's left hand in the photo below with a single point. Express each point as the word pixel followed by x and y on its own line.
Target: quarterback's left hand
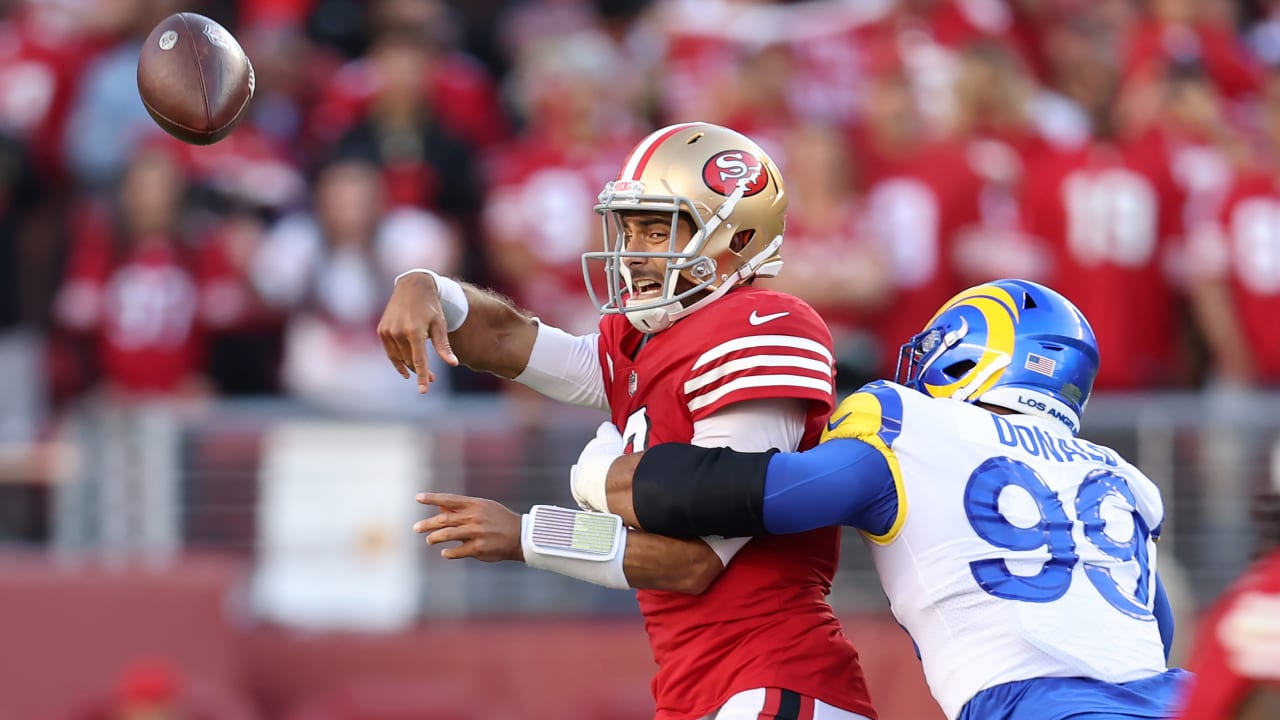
pixel 485 529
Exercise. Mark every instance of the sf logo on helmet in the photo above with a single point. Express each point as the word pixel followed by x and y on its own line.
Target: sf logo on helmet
pixel 725 170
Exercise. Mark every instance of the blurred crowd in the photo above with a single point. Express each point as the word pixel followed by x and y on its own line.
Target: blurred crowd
pixel 1123 151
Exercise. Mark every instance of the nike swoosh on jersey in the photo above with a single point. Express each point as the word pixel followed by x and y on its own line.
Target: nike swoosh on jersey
pixel 758 319
pixel 833 424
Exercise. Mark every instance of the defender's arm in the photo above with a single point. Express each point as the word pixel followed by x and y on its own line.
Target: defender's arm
pixel 684 491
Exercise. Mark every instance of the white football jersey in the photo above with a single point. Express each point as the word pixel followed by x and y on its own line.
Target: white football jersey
pixel 1018 551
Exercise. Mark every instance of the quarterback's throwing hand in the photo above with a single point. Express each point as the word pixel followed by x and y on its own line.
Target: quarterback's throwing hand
pixel 485 529
pixel 414 315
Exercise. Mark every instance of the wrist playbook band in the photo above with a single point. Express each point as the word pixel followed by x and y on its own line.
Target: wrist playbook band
pixel 583 545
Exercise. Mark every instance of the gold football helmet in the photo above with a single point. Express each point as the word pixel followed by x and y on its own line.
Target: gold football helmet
pixel 720 180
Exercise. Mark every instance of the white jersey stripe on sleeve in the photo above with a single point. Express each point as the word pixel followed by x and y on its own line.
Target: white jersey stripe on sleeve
pixel 756 381
pixel 752 341
pixel 755 361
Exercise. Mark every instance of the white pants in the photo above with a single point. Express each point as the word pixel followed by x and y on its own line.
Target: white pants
pixel 781 704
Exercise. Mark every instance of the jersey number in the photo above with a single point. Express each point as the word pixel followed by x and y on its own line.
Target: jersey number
pixel 1111 217
pixel 1054 531
pixel 635 436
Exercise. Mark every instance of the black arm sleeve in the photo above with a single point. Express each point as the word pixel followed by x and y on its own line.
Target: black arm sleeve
pixel 688 491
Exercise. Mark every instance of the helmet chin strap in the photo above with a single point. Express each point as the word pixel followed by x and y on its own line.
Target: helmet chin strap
pixel 661 317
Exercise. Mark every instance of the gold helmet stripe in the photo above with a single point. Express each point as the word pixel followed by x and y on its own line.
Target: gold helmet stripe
pixel 639 157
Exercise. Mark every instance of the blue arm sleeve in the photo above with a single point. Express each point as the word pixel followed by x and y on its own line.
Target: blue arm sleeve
pixel 1164 617
pixel 840 482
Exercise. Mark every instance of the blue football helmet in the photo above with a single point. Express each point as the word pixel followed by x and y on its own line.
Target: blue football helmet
pixel 1010 343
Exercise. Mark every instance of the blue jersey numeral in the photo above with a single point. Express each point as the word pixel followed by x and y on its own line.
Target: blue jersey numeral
pixel 1053 531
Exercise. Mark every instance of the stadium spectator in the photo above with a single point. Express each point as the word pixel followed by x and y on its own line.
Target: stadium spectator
pixel 706 43
pixel 1202 142
pixel 1235 276
pixel 835 260
pixel 44 49
pixel 915 188
pixel 131 286
pixel 107 98
pixel 994 121
pixel 542 186
pixel 330 268
pixel 423 163
pixel 1234 288
pixel 1190 30
pixel 411 73
pixel 1111 214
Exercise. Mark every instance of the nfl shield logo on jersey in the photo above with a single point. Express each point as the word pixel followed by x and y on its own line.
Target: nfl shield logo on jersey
pixel 632 383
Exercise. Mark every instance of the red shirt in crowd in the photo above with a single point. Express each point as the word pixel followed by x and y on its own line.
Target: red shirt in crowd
pixel 1244 249
pixel 916 202
pixel 539 220
pixel 39 69
pixel 139 304
pixel 1109 214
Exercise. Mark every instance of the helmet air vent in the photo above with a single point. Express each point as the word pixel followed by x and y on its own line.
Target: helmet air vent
pixel 1028 302
pixel 958 370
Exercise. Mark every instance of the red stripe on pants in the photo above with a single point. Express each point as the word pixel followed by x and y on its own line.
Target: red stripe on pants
pixel 772 703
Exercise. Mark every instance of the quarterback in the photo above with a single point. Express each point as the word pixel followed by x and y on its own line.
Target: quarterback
pixel 1020 558
pixel 686 351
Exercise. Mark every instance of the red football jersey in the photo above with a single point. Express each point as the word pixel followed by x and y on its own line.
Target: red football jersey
pixel 765 621
pixel 1246 254
pixel 40 67
pixel 1108 214
pixel 1218 691
pixel 141 305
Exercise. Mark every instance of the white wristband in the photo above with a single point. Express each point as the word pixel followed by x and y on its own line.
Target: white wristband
pixel 581 545
pixel 588 482
pixel 453 299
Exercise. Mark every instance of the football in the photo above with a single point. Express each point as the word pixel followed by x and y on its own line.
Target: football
pixel 194 78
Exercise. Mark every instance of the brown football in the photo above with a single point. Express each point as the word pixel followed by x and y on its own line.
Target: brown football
pixel 194 78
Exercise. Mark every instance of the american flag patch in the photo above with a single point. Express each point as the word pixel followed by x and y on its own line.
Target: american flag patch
pixel 1041 364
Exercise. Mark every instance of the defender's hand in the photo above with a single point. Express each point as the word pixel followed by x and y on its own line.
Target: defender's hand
pixel 486 529
pixel 414 315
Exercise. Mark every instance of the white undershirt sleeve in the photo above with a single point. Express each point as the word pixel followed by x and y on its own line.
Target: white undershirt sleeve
pixel 750 426
pixel 566 367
